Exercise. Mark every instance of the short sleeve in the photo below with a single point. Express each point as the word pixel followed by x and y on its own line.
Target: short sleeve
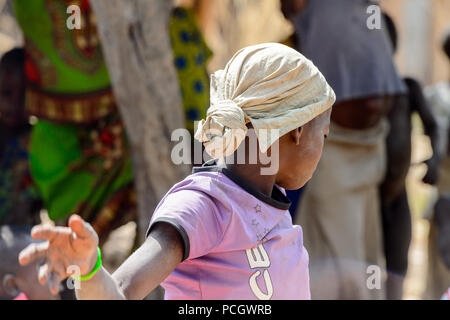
pixel 195 216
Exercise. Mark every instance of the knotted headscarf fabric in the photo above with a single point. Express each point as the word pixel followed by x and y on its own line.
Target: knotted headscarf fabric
pixel 270 85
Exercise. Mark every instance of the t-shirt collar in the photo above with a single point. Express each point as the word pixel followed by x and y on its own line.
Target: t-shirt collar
pixel 277 200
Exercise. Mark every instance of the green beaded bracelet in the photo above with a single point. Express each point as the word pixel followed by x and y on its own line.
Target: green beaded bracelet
pixel 97 267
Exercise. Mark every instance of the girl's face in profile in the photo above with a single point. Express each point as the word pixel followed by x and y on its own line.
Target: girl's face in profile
pixel 300 152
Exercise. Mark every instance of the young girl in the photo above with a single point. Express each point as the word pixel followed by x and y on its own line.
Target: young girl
pixel 224 232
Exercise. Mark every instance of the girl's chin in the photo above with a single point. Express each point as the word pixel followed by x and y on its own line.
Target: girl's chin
pixel 293 185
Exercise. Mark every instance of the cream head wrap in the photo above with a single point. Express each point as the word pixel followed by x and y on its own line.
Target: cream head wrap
pixel 270 85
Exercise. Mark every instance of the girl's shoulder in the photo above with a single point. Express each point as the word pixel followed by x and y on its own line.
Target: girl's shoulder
pixel 197 207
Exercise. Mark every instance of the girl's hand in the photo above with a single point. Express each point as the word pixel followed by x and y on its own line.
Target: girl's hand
pixel 75 245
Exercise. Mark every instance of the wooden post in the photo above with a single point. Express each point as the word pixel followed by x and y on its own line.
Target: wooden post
pixel 135 40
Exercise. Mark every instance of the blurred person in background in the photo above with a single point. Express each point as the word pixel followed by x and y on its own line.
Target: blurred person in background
pixel 79 153
pixel 396 213
pixel 438 278
pixel 20 203
pixel 340 209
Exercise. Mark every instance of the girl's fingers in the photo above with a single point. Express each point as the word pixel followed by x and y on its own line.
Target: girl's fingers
pixel 33 252
pixel 51 273
pixel 47 232
pixel 54 283
pixel 44 273
pixel 82 229
pixel 58 268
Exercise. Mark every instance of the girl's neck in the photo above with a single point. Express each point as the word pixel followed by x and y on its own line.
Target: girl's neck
pixel 252 175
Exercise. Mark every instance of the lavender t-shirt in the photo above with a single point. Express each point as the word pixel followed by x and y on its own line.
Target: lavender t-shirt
pixel 238 242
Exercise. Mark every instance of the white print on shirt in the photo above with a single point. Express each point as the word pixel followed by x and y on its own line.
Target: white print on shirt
pixel 258 258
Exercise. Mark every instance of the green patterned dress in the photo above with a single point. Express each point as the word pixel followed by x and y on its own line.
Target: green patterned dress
pixel 79 152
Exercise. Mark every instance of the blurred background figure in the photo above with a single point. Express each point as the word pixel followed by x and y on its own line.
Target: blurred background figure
pixel 79 151
pixel 438 279
pixel 339 210
pixel 20 203
pixel 396 215
pixel 17 282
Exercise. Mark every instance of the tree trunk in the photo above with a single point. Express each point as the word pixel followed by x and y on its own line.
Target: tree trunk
pixel 135 40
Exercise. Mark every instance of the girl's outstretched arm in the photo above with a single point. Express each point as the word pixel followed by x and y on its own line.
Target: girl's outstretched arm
pixel 76 245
